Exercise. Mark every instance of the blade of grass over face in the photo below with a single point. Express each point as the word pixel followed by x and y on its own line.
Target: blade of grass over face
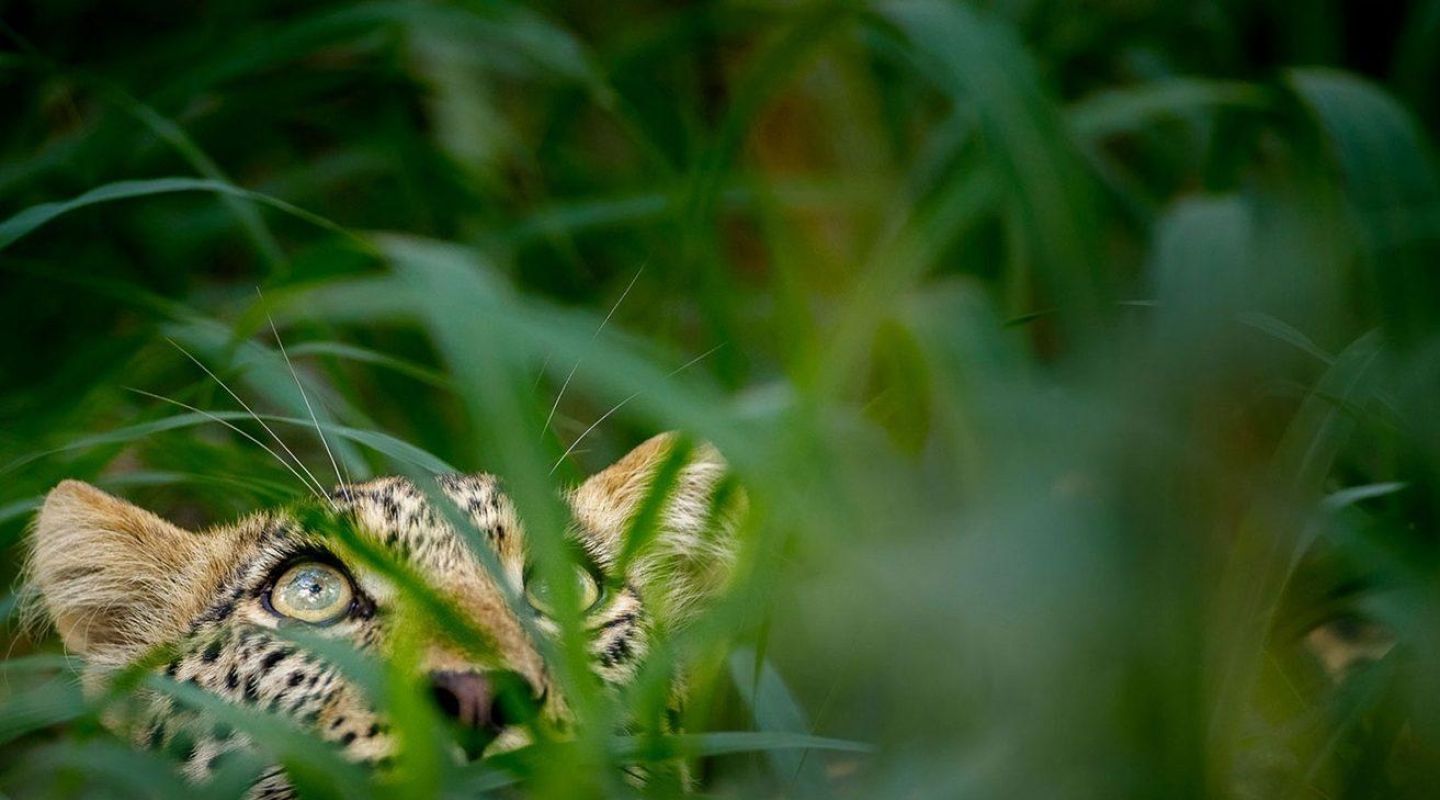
pixel 644 524
pixel 460 304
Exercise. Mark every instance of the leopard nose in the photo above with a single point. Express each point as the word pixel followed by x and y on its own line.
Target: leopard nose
pixel 483 700
pixel 467 697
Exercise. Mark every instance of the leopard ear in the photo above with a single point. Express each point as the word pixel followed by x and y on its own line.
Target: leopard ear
pixel 692 550
pixel 113 578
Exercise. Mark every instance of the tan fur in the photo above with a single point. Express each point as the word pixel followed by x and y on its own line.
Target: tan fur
pixel 116 579
pixel 1342 646
pixel 691 559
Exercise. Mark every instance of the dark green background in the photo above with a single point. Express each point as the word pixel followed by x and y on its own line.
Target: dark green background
pixel 1077 358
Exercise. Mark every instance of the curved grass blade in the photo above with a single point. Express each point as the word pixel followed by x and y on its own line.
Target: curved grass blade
pixel 382 443
pixel 1125 110
pixel 51 703
pixel 504 27
pixel 27 221
pixel 780 720
pixel 719 743
pixel 1274 536
pixel 363 355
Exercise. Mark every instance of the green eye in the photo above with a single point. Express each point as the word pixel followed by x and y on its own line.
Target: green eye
pixel 312 591
pixel 541 595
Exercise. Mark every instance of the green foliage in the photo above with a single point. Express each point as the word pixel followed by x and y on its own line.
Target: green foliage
pixel 1077 360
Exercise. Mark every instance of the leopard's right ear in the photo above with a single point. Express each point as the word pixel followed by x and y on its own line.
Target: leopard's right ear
pixel 113 578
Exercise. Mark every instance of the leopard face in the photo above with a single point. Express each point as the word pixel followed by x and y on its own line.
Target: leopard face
pixel 231 605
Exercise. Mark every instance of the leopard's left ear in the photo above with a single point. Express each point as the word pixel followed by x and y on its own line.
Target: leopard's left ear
pixel 693 545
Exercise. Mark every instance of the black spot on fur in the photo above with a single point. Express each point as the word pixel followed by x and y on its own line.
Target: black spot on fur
pixel 220 612
pixel 212 651
pixel 372 732
pixel 627 617
pixel 347 739
pixel 295 679
pixel 276 531
pixel 274 658
pixel 232 679
pixel 172 668
pixel 617 652
pixel 337 722
pixel 252 690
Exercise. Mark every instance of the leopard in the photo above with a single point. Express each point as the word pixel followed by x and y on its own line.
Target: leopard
pixel 229 607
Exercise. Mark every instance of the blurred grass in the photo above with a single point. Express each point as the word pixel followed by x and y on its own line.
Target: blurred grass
pixel 1076 359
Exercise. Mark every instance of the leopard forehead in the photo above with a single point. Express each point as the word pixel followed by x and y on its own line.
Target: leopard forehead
pixel 401 517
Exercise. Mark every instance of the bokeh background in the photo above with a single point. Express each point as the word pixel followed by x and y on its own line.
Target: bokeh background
pixel 1078 359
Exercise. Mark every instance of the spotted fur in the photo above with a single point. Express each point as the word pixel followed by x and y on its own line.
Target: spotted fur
pixel 118 582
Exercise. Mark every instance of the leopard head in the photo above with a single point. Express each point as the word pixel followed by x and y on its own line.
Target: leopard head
pixel 230 607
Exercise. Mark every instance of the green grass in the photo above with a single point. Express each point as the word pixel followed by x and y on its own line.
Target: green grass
pixel 1076 360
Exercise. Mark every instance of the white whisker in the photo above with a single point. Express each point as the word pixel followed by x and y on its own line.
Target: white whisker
pixel 303 396
pixel 237 429
pixel 560 394
pixel 621 404
pixel 587 431
pixel 314 484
